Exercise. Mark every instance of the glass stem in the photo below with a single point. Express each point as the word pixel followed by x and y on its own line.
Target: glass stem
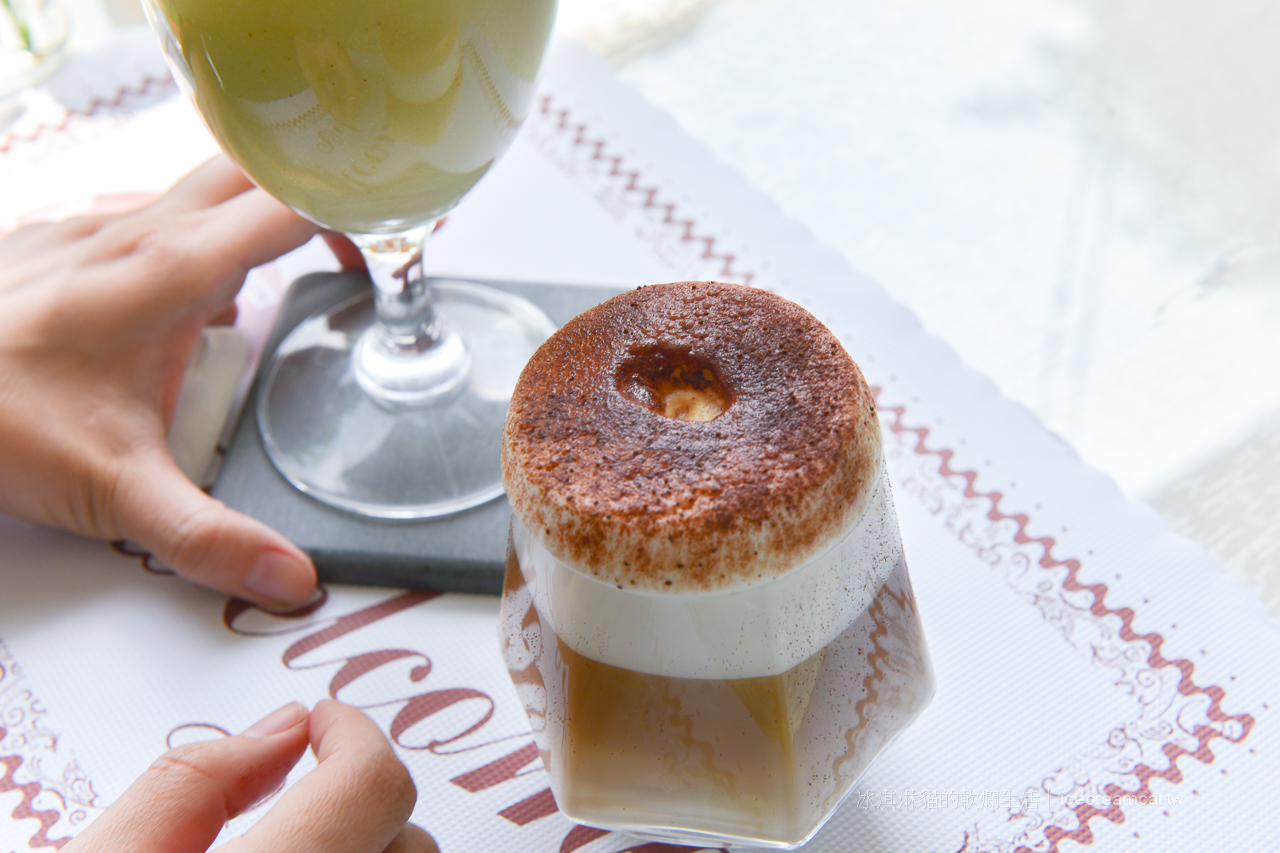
pixel 409 356
pixel 406 321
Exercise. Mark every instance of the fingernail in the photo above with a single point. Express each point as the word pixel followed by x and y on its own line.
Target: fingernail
pixel 279 720
pixel 280 577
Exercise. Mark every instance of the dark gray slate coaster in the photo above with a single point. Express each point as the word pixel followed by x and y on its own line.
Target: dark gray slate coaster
pixel 464 552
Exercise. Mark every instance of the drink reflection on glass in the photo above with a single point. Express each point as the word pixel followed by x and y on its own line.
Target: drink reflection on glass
pixel 374 118
pixel 707 612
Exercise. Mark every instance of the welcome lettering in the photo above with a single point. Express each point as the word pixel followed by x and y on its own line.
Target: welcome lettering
pixel 418 707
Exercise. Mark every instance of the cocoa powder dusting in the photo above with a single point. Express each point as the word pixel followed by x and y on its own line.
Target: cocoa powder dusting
pixel 636 497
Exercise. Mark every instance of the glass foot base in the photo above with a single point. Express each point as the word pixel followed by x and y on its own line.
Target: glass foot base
pixel 385 458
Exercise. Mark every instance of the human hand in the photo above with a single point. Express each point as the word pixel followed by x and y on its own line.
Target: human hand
pixel 98 318
pixel 357 800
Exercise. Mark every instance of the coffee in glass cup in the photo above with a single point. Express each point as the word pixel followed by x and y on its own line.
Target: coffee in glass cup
pixel 707 613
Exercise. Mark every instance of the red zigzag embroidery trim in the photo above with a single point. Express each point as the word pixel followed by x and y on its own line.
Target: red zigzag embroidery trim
pixel 1186 686
pixel 95 106
pixel 26 808
pixel 649 195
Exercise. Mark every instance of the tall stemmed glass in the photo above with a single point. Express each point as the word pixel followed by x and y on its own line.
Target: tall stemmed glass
pixel 373 118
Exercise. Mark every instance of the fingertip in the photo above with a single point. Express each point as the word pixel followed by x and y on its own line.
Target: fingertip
pixel 348 725
pixel 204 540
pixel 281 720
pixel 340 728
pixel 413 839
pixel 323 714
pixel 285 577
pixel 358 791
pixel 184 799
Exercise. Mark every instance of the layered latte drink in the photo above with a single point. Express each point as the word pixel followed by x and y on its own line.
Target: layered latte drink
pixel 707 612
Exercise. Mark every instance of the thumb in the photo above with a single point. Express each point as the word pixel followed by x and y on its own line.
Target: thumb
pixel 182 801
pixel 204 541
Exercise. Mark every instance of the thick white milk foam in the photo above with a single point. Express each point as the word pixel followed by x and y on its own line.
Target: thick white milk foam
pixel 757 629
